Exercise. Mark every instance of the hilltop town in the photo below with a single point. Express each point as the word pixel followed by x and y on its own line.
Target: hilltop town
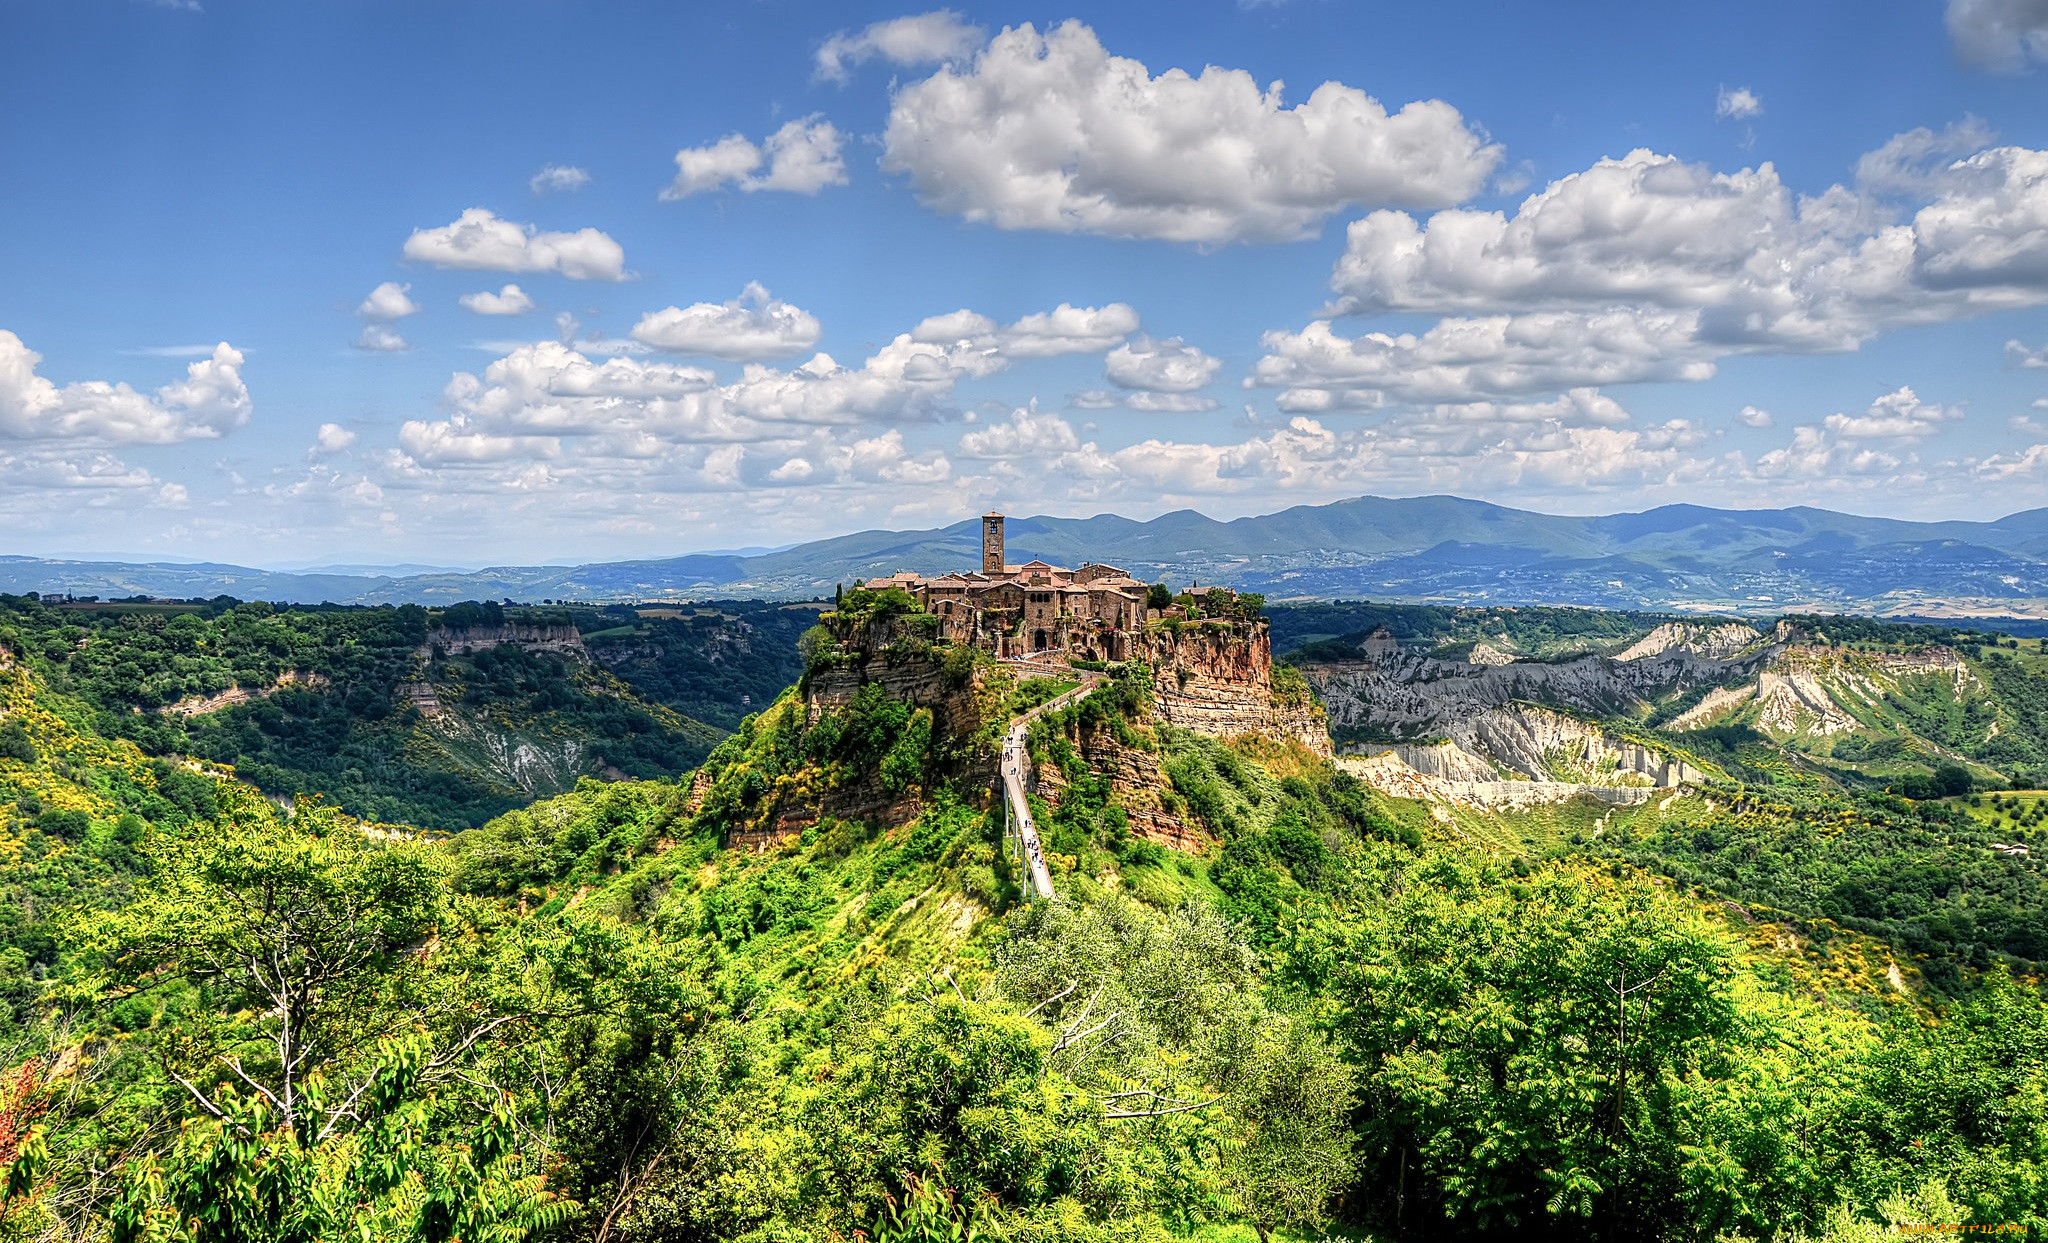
pixel 1095 612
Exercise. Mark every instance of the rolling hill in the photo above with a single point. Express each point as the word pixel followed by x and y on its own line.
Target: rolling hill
pixel 1433 548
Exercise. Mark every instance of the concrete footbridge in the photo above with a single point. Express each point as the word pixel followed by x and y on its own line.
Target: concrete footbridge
pixel 1017 775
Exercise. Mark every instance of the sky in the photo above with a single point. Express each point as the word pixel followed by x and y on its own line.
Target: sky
pixel 457 284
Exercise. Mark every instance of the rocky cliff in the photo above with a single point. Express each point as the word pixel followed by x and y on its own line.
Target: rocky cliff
pixel 1217 679
pixel 897 656
pixel 1408 696
pixel 563 639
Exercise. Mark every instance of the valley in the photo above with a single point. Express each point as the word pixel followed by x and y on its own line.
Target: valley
pixel 1326 899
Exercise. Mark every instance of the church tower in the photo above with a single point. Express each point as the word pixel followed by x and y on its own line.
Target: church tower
pixel 992 545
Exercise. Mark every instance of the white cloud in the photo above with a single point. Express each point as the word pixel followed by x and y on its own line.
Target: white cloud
pixel 1917 163
pixel 1051 132
pixel 751 327
pixel 1166 366
pixel 1068 330
pixel 510 300
pixel 1169 403
pixel 1305 457
pixel 389 300
pixel 926 39
pixel 332 438
pixel 1818 273
pixel 1999 34
pixel 1755 416
pixel 1876 443
pixel 1739 104
pixel 209 402
pixel 376 338
pixel 95 474
pixel 2030 461
pixel 1898 415
pixel 479 241
pixel 1646 268
pixel 173 351
pixel 802 158
pixel 1579 407
pixel 2021 356
pixel 458 440
pixel 558 178
pixel 1460 359
pixel 550 405
pixel 1028 433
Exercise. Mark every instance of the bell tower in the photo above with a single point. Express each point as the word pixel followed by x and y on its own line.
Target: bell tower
pixel 992 545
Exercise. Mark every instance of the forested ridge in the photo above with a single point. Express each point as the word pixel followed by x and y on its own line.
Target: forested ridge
pixel 323 704
pixel 594 1018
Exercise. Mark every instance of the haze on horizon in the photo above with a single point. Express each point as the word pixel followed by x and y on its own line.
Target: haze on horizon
pixel 530 283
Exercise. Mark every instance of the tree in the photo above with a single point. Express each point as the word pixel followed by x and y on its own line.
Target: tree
pixel 388 1158
pixel 321 1036
pixel 1159 596
pixel 1506 1084
pixel 310 927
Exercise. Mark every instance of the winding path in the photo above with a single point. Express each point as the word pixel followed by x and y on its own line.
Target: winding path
pixel 1016 767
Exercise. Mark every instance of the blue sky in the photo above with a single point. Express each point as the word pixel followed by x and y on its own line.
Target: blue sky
pixel 782 270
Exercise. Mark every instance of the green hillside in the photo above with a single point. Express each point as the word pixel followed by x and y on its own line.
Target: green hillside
pixel 666 1010
pixel 355 704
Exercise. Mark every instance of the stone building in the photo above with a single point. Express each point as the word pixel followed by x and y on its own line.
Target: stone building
pixel 1093 612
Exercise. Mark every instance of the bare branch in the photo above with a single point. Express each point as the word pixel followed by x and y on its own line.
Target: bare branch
pixel 1055 997
pixel 1114 1114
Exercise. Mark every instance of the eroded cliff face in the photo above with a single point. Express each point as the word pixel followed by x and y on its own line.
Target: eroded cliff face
pixel 1407 695
pixel 906 669
pixel 1217 679
pixel 1137 780
pixel 565 640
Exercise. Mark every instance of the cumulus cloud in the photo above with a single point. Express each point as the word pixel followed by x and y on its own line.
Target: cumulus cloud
pixel 479 241
pixel 378 339
pixel 1041 455
pixel 1755 416
pixel 2003 35
pixel 925 39
pixel 92 477
pixel 547 410
pixel 1463 358
pixel 1052 132
pixel 332 438
pixel 389 300
pixel 1875 442
pixel 2021 356
pixel 209 402
pixel 1898 415
pixel 2024 463
pixel 510 300
pixel 801 158
pixel 749 328
pixel 558 179
pixel 1739 104
pixel 1068 330
pixel 1647 268
pixel 1650 229
pixel 1027 433
pixel 1167 366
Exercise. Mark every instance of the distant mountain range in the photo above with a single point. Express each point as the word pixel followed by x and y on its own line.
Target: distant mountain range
pixel 1433 548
